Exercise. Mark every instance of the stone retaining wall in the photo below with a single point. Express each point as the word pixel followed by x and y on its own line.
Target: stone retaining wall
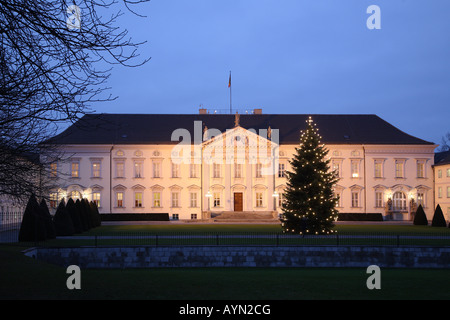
pixel 245 256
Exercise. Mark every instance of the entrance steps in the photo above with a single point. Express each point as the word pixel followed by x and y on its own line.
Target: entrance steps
pixel 247 216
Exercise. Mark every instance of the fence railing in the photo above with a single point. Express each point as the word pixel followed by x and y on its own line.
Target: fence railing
pixel 244 239
pixel 10 220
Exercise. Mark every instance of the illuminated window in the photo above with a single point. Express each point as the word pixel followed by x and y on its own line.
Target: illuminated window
pixel 157 199
pixel 53 200
pixel 119 197
pixel 96 169
pixel 421 199
pixel 75 195
pixel 259 199
pixel 217 196
pixel 355 168
pixel 138 169
pixel 399 201
pixel 138 199
pixel 53 170
pixel 75 169
pixel 96 198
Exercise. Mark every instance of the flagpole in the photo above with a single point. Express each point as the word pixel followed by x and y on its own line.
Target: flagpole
pixel 229 85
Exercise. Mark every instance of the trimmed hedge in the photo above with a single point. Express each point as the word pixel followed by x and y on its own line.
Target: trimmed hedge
pixel 83 217
pixel 48 219
pixel 33 227
pixel 360 217
pixel 63 221
pixel 438 218
pixel 420 218
pixel 97 220
pixel 75 215
pixel 134 217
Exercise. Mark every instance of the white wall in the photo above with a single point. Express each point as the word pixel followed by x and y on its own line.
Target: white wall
pixel 108 184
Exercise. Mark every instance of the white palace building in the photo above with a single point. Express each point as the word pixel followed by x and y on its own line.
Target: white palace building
pixel 194 166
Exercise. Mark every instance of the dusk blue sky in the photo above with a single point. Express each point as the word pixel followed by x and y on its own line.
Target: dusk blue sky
pixel 292 56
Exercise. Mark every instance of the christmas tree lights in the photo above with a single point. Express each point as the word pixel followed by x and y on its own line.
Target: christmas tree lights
pixel 310 204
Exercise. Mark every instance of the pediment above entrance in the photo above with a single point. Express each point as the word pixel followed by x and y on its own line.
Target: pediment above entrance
pixel 239 144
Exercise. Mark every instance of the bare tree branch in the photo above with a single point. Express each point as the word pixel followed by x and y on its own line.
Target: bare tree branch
pixel 51 74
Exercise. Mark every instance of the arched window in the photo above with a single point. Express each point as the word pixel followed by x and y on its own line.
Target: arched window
pixel 399 201
pixel 75 195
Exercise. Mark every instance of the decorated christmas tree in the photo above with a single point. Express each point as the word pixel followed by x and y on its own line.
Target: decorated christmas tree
pixel 310 204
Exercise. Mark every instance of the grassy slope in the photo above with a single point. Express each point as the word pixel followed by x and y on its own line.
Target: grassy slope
pixel 264 228
pixel 25 278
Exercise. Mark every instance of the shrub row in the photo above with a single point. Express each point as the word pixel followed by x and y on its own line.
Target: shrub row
pixel 360 217
pixel 75 217
pixel 135 217
pixel 438 218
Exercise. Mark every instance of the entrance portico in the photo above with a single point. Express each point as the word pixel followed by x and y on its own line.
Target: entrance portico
pixel 238 169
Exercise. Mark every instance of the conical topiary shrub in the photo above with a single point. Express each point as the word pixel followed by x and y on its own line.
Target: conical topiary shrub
pixel 74 215
pixel 48 219
pixel 438 218
pixel 97 218
pixel 32 227
pixel 89 213
pixel 86 213
pixel 420 219
pixel 63 222
pixel 79 208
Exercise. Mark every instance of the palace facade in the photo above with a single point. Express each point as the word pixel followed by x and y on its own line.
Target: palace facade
pixel 194 166
pixel 442 182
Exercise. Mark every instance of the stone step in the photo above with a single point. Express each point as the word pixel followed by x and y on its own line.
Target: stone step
pixel 245 215
pixel 273 220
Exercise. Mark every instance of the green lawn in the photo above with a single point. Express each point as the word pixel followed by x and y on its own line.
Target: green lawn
pixel 342 228
pixel 25 278
pixel 269 234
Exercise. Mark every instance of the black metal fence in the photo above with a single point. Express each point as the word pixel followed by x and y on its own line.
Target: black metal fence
pixel 236 238
pixel 10 220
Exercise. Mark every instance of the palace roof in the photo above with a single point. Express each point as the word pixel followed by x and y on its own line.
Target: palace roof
pixel 158 128
pixel 441 158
